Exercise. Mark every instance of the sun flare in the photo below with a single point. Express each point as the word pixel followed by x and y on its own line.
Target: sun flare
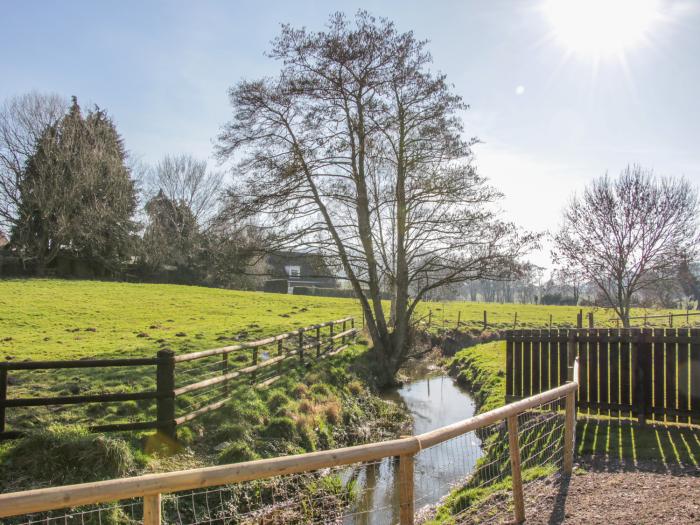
pixel 601 28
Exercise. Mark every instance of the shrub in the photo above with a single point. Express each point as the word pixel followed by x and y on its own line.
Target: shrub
pixel 320 390
pixel 300 390
pixel 275 286
pixel 69 454
pixel 230 432
pixel 355 388
pixel 332 412
pixel 236 452
pixel 280 428
pixel 306 406
pixel 276 400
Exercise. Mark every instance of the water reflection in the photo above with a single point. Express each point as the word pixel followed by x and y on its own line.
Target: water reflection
pixel 434 402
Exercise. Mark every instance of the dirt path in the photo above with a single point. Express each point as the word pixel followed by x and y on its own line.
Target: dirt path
pixel 604 493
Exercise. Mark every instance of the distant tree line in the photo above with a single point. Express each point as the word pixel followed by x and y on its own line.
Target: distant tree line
pixel 72 203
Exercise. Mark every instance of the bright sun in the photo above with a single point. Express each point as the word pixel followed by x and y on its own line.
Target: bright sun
pixel 600 28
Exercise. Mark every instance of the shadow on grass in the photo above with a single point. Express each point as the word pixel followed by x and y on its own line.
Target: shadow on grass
pixel 626 444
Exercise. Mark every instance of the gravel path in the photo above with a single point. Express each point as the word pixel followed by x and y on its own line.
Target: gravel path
pixel 607 493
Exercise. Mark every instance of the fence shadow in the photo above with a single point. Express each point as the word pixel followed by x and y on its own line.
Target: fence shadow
pixel 624 444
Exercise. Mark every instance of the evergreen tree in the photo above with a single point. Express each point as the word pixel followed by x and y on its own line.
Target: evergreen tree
pixel 77 196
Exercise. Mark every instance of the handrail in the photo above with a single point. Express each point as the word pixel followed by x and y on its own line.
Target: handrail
pixel 39 500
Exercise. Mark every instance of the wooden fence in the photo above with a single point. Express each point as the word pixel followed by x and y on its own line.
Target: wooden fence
pixel 642 373
pixel 199 372
pixel 152 486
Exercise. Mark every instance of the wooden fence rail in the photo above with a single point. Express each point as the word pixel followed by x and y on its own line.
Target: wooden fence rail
pixel 150 487
pixel 168 366
pixel 642 373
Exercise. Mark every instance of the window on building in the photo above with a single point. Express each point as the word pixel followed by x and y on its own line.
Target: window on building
pixel 293 271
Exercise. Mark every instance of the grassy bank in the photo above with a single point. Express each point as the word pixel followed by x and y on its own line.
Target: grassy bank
pixel 328 404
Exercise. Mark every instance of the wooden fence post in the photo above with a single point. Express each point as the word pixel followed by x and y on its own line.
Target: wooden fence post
pixel 301 345
pixel 570 406
pixel 486 323
pixel 550 321
pixel 514 447
pixel 342 340
pixel 406 510
pixel 330 337
pixel 318 341
pixel 569 432
pixel 224 370
pixel 430 317
pixel 280 351
pixel 670 320
pixel 3 396
pixel 459 318
pixel 515 320
pixel 579 319
pixel 151 510
pixel 165 385
pixel 254 375
pixel 590 320
pixel 352 325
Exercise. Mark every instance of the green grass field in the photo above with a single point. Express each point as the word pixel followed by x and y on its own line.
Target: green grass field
pixel 57 319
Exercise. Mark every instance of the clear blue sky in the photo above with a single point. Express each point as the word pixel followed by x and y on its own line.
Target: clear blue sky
pixel 551 112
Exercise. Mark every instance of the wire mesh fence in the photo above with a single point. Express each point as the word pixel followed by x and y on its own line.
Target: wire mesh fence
pixel 469 477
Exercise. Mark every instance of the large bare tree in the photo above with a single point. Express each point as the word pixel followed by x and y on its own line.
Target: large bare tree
pixel 356 150
pixel 23 121
pixel 629 233
pixel 186 181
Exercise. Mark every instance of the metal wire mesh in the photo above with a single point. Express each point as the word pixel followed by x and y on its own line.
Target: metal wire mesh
pixel 469 477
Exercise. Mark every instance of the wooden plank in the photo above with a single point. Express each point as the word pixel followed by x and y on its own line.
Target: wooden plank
pixel 563 359
pixel 603 370
pixel 3 397
pixel 583 372
pixel 82 363
pixel 683 386
pixel 658 349
pixel 625 370
pixel 535 351
pixel 671 383
pixel 527 362
pixel 554 358
pixel 614 367
pixel 518 359
pixel 545 359
pixel 593 379
pixel 509 363
pixel 643 376
pixel 695 373
pixel 77 400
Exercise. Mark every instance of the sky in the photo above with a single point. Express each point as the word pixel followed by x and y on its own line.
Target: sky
pixel 559 92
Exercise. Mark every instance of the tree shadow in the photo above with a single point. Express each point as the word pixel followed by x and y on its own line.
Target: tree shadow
pixel 624 444
pixel 559 509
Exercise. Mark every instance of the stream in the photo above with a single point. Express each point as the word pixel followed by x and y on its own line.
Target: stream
pixel 434 401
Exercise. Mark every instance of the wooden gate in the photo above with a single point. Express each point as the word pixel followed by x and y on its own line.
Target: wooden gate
pixel 642 373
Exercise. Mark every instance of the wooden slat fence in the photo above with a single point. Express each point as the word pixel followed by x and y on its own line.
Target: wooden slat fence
pixel 648 374
pixel 192 384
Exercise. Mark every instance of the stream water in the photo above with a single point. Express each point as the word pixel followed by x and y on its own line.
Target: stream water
pixel 433 401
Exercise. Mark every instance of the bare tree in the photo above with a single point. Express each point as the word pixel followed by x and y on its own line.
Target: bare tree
pixel 355 151
pixel 23 121
pixel 185 180
pixel 629 233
